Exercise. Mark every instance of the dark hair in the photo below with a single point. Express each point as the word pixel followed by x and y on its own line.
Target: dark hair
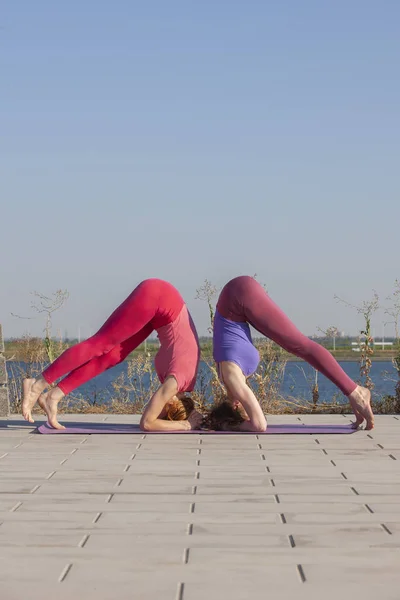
pixel 223 417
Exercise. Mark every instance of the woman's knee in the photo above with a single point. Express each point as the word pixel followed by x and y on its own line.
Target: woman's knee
pixel 112 357
pixel 299 346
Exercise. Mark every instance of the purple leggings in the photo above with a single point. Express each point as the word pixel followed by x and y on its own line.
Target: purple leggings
pixel 244 299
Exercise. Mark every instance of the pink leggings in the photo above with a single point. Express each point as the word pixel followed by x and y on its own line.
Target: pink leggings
pixel 244 299
pixel 152 304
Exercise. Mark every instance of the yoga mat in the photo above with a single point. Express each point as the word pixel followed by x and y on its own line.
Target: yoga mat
pixel 89 428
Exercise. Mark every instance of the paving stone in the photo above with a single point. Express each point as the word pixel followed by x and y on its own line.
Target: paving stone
pixel 231 507
pixel 16 486
pixel 42 517
pixel 326 574
pixel 90 486
pixel 130 585
pixel 139 555
pixel 11 528
pixel 39 539
pixel 238 556
pixel 230 478
pixel 131 540
pixel 365 537
pixel 9 476
pixel 295 530
pixel 30 569
pixel 250 583
pixel 217 516
pixel 354 499
pixel 363 517
pixel 100 506
pixel 381 505
pixel 134 489
pixel 327 506
pixel 125 519
pixel 383 489
pixel 393 524
pixel 340 489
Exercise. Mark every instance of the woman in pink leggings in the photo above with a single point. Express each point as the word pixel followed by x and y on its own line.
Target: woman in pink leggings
pixel 153 305
pixel 243 301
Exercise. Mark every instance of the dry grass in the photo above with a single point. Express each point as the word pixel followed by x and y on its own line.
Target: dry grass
pixel 133 388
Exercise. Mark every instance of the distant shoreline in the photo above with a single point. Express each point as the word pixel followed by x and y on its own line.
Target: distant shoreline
pixel 350 358
pixel 15 353
pixel 289 358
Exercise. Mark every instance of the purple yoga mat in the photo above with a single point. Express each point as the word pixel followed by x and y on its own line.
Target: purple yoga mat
pixel 88 428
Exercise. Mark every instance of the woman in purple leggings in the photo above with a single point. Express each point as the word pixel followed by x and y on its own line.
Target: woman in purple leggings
pixel 243 301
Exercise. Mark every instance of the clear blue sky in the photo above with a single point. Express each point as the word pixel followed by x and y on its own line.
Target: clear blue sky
pixel 192 140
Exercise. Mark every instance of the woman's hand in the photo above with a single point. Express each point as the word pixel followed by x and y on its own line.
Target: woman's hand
pixel 195 420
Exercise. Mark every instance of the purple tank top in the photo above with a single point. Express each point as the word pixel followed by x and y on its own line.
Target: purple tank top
pixel 232 342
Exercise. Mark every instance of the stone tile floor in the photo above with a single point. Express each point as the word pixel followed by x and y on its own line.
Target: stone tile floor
pixel 197 517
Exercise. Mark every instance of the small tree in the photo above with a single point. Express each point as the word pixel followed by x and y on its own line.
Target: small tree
pixel 394 312
pixel 331 332
pixel 315 392
pixel 35 353
pixel 207 292
pixel 367 308
pixel 49 305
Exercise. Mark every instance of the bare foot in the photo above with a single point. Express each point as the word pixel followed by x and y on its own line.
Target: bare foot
pixel 358 422
pixel 360 401
pixel 359 419
pixel 31 390
pixel 42 401
pixel 50 403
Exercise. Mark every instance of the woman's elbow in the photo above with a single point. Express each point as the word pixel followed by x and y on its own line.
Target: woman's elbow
pixel 145 424
pixel 259 426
